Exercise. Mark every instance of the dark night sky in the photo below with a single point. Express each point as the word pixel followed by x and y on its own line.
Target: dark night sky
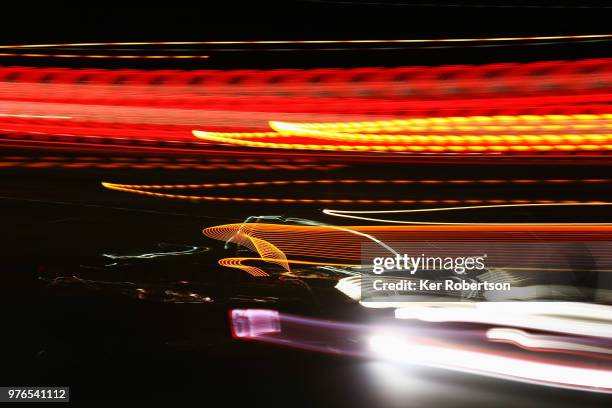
pixel 208 20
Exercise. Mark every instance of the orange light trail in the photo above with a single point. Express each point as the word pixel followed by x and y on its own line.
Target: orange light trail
pixel 333 246
pixel 102 56
pixel 154 163
pixel 357 181
pixel 145 189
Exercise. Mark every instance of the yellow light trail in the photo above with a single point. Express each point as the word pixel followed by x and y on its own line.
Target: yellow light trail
pixel 490 134
pixel 441 148
pixel 146 190
pixel 263 42
pixel 357 215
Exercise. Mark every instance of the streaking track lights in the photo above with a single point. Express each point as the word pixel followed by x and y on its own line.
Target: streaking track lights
pixel 273 42
pixel 152 190
pixel 480 134
pixel 328 245
pixel 553 108
pixel 445 348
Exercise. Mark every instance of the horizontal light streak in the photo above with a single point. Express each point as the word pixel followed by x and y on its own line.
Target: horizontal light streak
pixel 272 42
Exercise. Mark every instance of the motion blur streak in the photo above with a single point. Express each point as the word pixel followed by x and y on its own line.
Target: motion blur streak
pixel 357 181
pixel 272 42
pixel 146 190
pixel 478 362
pixel 544 342
pixel 254 322
pixel 548 107
pixel 438 347
pixel 563 317
pixel 359 215
pixel 462 147
pixel 544 134
pixel 153 163
pixel 329 245
pixel 101 56
pixel 469 123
